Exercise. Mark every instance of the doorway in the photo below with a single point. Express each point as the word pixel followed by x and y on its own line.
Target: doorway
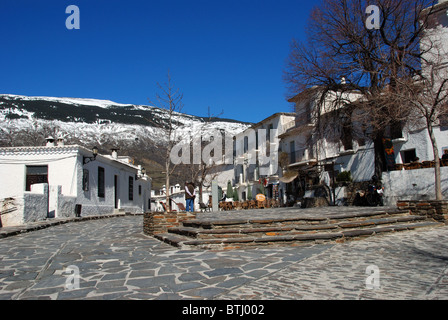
pixel 115 191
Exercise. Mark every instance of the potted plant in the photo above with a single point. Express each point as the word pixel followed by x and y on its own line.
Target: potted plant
pixel 235 194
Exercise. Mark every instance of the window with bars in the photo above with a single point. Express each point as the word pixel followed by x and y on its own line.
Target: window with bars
pixel 85 180
pixel 131 188
pixel 101 183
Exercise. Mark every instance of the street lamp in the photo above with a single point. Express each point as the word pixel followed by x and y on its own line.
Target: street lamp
pixel 86 160
pixel 143 173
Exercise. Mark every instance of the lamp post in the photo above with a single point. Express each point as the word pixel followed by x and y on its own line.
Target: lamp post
pixel 142 174
pixel 86 160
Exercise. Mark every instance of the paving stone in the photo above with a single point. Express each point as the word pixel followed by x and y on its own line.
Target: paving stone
pixel 141 273
pixel 114 276
pixel 74 294
pixel 110 284
pixel 191 276
pixel 223 271
pixel 223 262
pixel 206 293
pixel 117 261
pixel 152 281
pixel 235 282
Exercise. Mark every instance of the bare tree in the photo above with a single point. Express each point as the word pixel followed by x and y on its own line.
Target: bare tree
pixel 202 173
pixel 169 98
pixel 340 46
pixel 33 135
pixel 424 101
pixel 7 136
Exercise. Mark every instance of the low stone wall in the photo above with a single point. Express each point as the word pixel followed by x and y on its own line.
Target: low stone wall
pixel 417 184
pixel 434 209
pixel 160 222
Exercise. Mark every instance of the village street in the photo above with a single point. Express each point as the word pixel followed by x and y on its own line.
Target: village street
pixel 115 260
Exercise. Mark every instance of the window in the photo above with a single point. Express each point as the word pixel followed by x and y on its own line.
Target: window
pixel 256 140
pixel 361 135
pixel 85 180
pixel 347 137
pixel 268 132
pixel 443 119
pixel 35 174
pixel 292 152
pixel 268 139
pixel 361 142
pixel 131 188
pixel 308 113
pixel 101 184
pixel 408 155
pixel 139 189
pixel 396 130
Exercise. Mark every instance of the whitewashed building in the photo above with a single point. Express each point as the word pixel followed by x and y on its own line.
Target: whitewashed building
pixel 258 141
pixel 57 180
pixel 316 154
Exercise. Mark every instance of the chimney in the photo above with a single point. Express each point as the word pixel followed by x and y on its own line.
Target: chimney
pixel 60 142
pixel 50 141
pixel 115 153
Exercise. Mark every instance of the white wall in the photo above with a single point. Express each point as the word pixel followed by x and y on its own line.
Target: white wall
pixel 415 184
pixel 92 204
pixel 361 164
pixel 65 177
pixel 9 173
pixel 30 206
pixel 420 141
pixel 61 168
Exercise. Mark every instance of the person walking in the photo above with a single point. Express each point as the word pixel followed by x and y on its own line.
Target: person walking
pixel 190 195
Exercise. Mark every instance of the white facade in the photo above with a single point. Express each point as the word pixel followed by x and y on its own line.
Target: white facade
pixel 436 35
pixel 310 150
pixel 251 145
pixel 58 174
pixel 418 142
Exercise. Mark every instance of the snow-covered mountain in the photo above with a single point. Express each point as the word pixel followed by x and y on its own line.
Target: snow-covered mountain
pixel 137 130
pixel 91 121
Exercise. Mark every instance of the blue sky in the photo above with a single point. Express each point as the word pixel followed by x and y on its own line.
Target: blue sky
pixel 227 55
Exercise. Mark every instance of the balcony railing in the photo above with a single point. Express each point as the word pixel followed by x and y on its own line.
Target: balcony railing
pixel 300 156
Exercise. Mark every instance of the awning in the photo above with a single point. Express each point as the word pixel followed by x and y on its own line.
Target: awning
pixel 304 163
pixel 289 176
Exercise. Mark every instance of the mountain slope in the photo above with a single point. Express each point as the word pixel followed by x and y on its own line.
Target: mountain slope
pixel 137 130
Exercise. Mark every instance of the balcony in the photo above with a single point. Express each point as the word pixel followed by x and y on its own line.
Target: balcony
pixel 301 158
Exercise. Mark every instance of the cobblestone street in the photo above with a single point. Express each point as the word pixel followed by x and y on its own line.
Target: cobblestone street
pixel 117 261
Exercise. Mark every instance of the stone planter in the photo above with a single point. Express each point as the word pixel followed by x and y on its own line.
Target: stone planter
pixel 160 222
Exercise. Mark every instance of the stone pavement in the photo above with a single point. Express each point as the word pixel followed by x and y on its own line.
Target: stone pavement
pixel 117 261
